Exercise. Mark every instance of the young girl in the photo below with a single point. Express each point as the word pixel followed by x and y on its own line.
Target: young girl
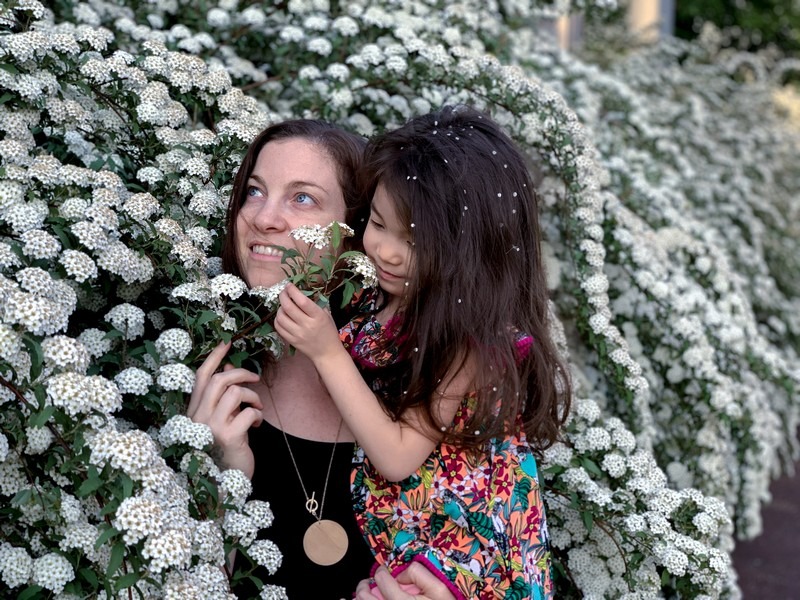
pixel 456 375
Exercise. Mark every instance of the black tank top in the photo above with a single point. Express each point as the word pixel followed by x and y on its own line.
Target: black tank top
pixel 275 481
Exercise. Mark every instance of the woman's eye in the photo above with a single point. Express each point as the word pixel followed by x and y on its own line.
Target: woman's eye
pixel 302 198
pixel 253 191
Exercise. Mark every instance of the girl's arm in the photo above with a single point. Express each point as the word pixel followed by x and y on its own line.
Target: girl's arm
pixel 396 449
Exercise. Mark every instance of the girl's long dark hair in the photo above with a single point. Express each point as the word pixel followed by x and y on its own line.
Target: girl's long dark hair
pixel 465 193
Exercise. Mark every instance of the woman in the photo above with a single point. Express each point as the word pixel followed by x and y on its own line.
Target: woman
pixel 284 431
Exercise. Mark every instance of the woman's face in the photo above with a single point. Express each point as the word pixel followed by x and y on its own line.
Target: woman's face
pixel 294 182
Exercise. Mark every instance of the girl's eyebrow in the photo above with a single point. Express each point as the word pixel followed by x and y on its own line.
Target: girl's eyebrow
pixel 374 209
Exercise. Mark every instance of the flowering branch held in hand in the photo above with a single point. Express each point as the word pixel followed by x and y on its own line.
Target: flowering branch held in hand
pixel 318 274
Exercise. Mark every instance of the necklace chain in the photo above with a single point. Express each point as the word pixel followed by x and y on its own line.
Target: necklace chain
pixel 311 503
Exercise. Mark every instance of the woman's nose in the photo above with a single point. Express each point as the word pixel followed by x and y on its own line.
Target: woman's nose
pixel 268 215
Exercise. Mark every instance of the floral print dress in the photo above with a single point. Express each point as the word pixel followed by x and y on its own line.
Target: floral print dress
pixel 474 519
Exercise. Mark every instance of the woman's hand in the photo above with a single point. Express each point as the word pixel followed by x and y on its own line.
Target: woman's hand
pixel 414 582
pixel 306 326
pixel 216 401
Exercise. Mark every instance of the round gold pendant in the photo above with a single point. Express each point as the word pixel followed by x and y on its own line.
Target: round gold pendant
pixel 325 542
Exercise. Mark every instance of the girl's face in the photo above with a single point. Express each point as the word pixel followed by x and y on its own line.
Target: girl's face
pixel 388 243
pixel 294 182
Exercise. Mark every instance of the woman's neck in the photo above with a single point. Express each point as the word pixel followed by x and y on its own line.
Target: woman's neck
pixel 295 400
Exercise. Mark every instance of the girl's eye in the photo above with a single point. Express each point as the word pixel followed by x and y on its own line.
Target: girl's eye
pixel 303 198
pixel 375 224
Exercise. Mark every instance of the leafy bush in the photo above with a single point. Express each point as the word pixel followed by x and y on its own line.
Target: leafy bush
pixel 668 188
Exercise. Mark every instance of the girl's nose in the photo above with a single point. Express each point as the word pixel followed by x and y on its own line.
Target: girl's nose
pixel 389 253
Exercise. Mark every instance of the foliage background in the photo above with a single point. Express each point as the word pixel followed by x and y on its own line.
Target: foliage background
pixel 670 208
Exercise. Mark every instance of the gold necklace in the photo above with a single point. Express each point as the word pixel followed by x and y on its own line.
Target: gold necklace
pixel 325 541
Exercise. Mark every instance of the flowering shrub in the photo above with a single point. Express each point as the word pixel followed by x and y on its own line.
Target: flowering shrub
pixel 668 186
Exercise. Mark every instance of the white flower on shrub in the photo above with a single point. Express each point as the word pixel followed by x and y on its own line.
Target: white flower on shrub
pixel 10 342
pixel 180 429
pixel 78 265
pixel 95 341
pixel 138 517
pixel 128 319
pixel 175 377
pixel 235 487
pixel 133 380
pixel 38 439
pixel 208 543
pixel 65 352
pixel 52 571
pixel 131 451
pixel 81 536
pixel 173 344
pixel 266 554
pixel 38 244
pixel 81 394
pixel 240 526
pixel 227 285
pixel 16 565
pixel 3 447
pixel 193 291
pixel 171 548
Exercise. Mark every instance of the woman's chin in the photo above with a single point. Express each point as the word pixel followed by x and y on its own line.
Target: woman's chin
pixel 264 275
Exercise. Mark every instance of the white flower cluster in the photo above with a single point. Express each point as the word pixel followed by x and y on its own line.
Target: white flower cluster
pixel 173 344
pixel 83 394
pixel 182 430
pixel 319 236
pixel 364 267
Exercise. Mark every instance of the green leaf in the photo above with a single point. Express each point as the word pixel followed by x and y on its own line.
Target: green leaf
pixel 40 418
pixel 90 576
pixel 114 563
pixel 591 466
pixel 336 235
pixel 349 290
pixel 32 591
pixel 104 537
pixel 6 97
pixel 34 348
pixel 588 520
pixel 127 486
pixel 665 577
pixel 21 497
pixel 9 68
pixel 206 316
pixel 238 358
pixel 126 581
pixel 92 483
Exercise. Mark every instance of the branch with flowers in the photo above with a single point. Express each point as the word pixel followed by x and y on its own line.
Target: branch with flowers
pixel 224 308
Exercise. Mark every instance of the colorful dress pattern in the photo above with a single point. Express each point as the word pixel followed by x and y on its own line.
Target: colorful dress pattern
pixel 475 519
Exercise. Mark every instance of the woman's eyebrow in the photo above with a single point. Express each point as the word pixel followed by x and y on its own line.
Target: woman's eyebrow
pixel 292 184
pixel 302 184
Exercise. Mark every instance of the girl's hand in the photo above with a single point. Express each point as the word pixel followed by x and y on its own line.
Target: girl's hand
pixel 414 582
pixel 216 401
pixel 306 326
